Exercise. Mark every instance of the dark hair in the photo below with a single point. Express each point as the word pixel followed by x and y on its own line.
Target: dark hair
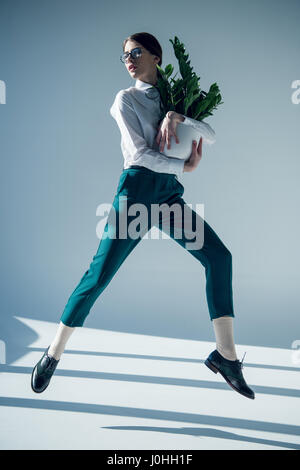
pixel 148 41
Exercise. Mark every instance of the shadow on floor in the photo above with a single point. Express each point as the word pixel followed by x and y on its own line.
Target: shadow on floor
pixel 167 416
pixel 207 432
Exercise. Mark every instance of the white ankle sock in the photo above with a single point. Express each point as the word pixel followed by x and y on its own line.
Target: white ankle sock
pixel 58 344
pixel 223 327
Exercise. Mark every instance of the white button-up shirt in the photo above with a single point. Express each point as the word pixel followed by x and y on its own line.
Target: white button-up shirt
pixel 138 119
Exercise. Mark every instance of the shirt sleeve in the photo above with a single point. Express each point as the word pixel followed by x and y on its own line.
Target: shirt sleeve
pixel 208 134
pixel 132 136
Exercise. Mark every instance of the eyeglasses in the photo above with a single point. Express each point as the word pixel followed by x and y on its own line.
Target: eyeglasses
pixel 135 54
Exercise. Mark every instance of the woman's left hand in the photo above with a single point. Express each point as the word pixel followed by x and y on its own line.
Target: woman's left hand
pixel 167 129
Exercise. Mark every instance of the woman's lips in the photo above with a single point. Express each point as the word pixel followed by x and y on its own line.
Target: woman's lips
pixel 131 68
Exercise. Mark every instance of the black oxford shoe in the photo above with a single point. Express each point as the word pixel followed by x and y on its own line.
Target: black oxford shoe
pixel 43 372
pixel 231 371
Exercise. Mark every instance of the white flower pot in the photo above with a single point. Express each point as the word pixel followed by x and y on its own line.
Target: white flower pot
pixel 186 134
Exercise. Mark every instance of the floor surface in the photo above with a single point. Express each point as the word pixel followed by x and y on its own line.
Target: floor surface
pixel 122 391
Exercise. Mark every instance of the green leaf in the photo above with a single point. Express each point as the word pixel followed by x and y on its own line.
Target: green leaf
pixel 184 94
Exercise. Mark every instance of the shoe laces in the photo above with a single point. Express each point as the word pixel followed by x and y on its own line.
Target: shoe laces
pixel 241 362
pixel 51 362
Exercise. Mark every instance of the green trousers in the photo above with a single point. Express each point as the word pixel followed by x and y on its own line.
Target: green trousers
pixel 139 185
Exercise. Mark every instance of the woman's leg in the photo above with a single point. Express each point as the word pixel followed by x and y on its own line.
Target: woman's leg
pixel 185 225
pixel 111 253
pixel 113 249
pixel 223 329
pixel 194 234
pixel 59 342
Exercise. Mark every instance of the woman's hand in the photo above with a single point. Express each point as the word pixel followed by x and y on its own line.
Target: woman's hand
pixel 167 129
pixel 195 157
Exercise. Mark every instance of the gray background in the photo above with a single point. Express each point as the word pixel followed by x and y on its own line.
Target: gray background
pixel 61 158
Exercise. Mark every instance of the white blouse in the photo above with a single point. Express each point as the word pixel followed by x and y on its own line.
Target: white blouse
pixel 138 116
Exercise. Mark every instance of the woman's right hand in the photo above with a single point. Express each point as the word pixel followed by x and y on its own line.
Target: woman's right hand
pixel 195 157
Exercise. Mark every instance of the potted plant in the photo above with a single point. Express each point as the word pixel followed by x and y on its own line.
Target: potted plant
pixel 184 96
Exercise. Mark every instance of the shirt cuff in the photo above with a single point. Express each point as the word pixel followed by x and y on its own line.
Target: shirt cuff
pixel 208 134
pixel 176 166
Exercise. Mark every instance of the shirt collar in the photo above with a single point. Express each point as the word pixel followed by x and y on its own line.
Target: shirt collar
pixel 142 85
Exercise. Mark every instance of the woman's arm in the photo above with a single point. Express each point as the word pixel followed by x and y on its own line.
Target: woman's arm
pixel 133 142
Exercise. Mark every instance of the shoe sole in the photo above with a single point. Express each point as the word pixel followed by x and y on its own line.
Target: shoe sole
pixel 216 370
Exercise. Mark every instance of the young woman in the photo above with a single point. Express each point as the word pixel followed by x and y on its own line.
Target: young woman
pixel 149 177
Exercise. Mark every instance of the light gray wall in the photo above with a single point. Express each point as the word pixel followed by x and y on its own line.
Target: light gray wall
pixel 61 158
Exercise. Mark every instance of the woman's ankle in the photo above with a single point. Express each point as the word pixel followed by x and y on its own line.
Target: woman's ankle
pixel 55 352
pixel 229 355
pixel 58 345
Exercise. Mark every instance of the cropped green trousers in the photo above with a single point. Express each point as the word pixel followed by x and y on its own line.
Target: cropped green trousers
pixel 142 186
